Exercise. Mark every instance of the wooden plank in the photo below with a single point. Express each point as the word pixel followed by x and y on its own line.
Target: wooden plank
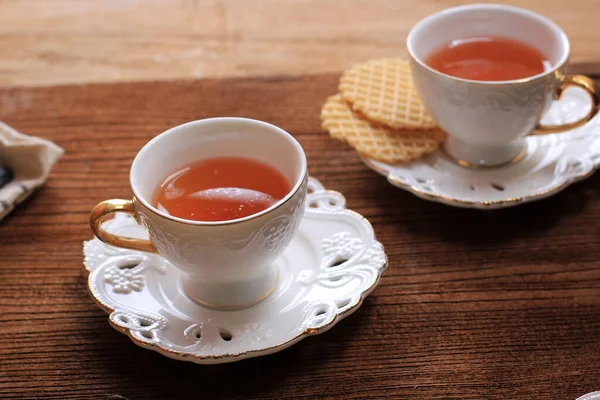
pixel 60 41
pixel 495 305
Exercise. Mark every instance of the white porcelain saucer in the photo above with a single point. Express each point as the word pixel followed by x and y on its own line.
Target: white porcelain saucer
pixel 552 163
pixel 590 396
pixel 333 262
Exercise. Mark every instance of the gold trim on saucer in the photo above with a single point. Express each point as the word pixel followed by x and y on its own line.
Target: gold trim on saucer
pixel 350 308
pixel 481 205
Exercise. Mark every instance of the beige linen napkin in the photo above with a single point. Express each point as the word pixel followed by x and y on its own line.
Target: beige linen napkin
pixel 30 158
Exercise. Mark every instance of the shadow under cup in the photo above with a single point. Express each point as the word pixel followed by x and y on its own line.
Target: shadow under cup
pixel 487 120
pixel 228 264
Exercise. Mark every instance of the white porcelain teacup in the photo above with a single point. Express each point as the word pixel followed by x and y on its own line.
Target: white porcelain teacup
pixel 227 264
pixel 487 121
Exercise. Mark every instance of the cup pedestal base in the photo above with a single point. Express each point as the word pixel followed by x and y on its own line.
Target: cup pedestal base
pixel 475 156
pixel 230 295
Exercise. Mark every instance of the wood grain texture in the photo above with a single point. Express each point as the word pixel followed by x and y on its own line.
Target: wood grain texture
pixel 474 305
pixel 46 42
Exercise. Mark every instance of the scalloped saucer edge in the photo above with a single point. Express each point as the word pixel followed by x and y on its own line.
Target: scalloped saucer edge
pixel 332 264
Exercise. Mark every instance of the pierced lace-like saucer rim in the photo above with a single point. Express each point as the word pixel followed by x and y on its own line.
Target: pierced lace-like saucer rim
pixel 481 205
pixel 233 357
pixel 588 130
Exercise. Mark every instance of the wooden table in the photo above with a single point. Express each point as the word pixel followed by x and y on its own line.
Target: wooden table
pixel 46 42
pixel 494 305
pixel 474 305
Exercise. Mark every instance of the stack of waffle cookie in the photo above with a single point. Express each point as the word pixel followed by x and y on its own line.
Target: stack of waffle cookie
pixel 378 112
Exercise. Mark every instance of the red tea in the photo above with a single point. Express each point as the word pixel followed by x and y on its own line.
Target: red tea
pixel 221 189
pixel 488 58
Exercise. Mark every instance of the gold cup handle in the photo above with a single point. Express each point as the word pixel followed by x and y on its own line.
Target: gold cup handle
pixel 110 206
pixel 573 80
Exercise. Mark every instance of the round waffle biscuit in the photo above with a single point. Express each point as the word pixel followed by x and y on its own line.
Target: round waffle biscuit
pixel 384 92
pixel 375 141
